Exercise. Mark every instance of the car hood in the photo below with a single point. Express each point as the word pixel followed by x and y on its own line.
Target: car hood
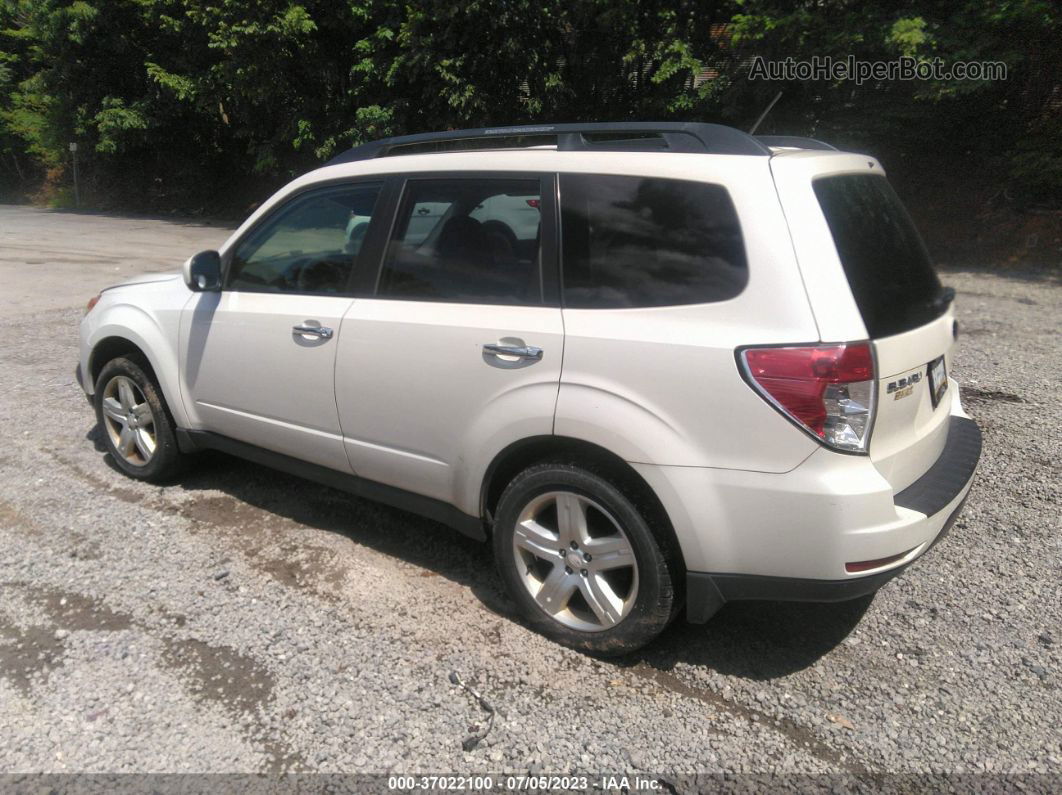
pixel 147 278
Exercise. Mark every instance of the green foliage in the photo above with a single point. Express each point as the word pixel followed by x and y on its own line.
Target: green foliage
pixel 982 127
pixel 183 88
pixel 1037 162
pixel 180 101
pixel 118 127
pixel 909 36
pixel 62 199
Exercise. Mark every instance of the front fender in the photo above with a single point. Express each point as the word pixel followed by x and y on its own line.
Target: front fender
pixel 154 332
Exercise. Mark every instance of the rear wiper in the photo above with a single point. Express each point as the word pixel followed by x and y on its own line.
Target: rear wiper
pixel 944 298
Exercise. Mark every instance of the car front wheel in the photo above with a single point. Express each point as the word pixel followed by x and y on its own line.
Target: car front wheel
pixel 138 430
pixel 581 561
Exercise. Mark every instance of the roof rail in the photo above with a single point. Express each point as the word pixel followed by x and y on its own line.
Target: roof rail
pixel 670 136
pixel 794 141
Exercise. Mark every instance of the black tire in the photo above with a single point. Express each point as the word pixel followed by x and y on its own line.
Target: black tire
pixel 503 242
pixel 652 606
pixel 167 460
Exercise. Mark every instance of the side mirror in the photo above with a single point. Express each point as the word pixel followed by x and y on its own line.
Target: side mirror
pixel 202 273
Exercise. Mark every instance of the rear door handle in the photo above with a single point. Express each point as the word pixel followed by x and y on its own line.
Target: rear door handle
pixel 322 332
pixel 521 352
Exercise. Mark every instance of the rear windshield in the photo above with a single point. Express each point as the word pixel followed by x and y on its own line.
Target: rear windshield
pixel 883 256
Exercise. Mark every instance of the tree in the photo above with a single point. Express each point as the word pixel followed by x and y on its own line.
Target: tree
pixel 203 103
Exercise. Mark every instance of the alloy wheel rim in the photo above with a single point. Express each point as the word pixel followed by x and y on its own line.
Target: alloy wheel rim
pixel 129 422
pixel 576 561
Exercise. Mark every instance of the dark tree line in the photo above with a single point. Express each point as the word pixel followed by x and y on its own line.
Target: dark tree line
pixel 203 104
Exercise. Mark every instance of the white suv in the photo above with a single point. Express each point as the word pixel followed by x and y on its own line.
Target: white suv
pixel 657 364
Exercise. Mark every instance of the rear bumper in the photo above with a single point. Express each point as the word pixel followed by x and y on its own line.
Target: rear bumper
pixel 950 475
pixel 929 507
pixel 706 593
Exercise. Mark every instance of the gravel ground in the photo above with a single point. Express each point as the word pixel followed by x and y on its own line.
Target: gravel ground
pixel 242 620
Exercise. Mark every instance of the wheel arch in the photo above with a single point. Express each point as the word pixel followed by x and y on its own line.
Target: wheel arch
pixel 115 341
pixel 110 348
pixel 521 454
pixel 501 227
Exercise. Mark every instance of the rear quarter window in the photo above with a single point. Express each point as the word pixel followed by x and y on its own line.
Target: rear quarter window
pixel 884 259
pixel 640 242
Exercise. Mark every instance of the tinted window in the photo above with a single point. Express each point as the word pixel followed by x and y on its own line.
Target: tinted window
pixel 635 241
pixel 309 246
pixel 884 259
pixel 466 240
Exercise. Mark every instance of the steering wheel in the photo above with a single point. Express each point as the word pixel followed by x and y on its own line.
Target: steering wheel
pixel 321 276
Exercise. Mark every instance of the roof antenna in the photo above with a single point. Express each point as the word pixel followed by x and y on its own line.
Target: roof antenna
pixel 756 126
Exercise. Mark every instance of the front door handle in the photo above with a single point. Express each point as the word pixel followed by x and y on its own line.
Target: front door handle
pixel 519 351
pixel 321 332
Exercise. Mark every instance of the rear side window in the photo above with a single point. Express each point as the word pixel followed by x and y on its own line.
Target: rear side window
pixel 883 256
pixel 638 241
pixel 466 241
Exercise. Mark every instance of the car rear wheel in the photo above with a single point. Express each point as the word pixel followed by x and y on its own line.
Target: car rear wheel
pixel 581 561
pixel 138 429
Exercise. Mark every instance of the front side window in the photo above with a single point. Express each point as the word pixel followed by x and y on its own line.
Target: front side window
pixel 467 240
pixel 310 246
pixel 640 241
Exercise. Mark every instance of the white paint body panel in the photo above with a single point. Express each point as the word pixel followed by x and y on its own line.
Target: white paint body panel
pixel 661 385
pixel 403 395
pixel 147 313
pixel 246 375
pixel 836 313
pixel 422 406
pixel 908 433
pixel 808 523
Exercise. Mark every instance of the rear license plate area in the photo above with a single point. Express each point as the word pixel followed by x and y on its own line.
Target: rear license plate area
pixel 938 380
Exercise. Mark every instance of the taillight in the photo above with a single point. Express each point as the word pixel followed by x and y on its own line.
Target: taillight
pixel 828 390
pixel 92 302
